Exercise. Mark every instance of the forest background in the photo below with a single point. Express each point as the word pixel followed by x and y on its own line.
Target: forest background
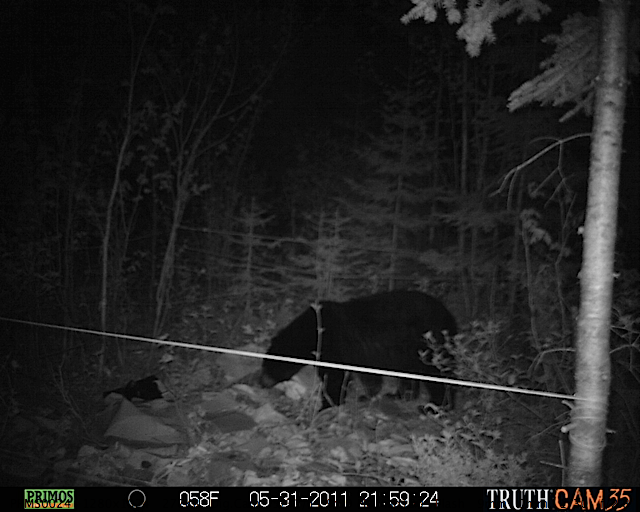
pixel 236 161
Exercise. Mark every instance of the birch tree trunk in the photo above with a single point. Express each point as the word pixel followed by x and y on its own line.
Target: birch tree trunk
pixel 587 431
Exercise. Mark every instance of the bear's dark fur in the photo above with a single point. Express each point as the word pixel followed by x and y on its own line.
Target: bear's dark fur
pixel 382 331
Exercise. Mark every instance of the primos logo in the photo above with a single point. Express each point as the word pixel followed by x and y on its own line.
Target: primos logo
pixel 48 498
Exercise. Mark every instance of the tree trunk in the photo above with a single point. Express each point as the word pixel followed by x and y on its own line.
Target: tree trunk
pixel 593 368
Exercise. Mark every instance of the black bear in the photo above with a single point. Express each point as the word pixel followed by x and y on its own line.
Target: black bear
pixel 382 331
